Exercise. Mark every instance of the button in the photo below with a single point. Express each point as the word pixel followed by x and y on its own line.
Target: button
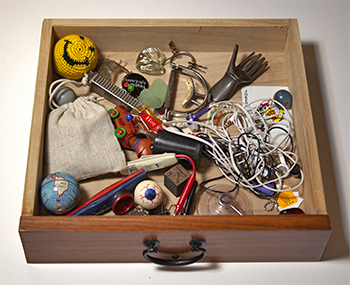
pixel 134 83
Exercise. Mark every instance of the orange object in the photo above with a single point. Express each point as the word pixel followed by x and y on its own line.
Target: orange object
pixel 125 132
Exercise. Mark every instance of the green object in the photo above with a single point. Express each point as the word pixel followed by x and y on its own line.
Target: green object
pixel 131 88
pixel 120 133
pixel 154 96
pixel 113 113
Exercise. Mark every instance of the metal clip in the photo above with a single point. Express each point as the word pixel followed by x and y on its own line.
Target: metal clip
pixel 193 65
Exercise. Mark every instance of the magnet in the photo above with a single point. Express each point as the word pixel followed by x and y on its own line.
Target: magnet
pixel 134 83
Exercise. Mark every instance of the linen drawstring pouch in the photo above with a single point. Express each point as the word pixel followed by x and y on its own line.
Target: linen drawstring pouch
pixel 80 140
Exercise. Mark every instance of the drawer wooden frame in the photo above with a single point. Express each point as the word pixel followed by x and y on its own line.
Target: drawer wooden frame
pixel 48 239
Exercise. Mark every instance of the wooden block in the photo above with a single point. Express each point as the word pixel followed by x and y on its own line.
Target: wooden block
pixel 175 179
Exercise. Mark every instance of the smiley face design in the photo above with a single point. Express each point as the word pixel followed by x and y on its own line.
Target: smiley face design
pixel 74 55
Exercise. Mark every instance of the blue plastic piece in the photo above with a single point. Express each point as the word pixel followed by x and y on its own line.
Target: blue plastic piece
pixel 96 206
pixel 268 192
pixel 129 117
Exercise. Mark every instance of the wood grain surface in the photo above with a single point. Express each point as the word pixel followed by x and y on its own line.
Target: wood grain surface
pixel 120 239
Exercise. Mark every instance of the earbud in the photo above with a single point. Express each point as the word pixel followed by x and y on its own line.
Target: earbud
pixel 282 166
pixel 195 117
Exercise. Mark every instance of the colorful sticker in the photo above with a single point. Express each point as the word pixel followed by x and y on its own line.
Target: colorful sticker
pixel 288 199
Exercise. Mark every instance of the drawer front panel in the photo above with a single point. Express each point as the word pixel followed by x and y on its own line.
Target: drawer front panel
pixel 230 242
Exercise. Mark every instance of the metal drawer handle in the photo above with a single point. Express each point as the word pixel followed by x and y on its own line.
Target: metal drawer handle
pixel 176 261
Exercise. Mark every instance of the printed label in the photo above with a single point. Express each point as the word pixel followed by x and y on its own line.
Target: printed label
pixel 288 199
pixel 151 122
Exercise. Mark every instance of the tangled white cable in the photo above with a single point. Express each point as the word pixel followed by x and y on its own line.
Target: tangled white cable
pixel 259 150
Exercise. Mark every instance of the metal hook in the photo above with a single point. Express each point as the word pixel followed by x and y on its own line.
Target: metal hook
pixel 181 53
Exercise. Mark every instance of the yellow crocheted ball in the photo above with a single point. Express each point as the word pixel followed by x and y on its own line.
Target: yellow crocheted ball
pixel 74 55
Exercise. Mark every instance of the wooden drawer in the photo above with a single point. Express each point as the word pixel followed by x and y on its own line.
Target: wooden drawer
pixel 261 236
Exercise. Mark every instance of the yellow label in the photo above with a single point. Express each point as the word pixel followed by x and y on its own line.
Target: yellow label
pixel 286 199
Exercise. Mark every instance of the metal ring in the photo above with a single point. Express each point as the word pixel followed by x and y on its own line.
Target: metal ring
pixel 273 206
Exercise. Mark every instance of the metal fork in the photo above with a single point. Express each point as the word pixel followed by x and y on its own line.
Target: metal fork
pixel 244 73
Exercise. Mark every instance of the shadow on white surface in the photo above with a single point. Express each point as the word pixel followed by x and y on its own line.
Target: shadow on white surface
pixel 337 246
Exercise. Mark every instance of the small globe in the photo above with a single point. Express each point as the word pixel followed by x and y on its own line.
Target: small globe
pixel 59 193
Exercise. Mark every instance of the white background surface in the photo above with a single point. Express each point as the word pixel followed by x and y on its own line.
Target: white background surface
pixel 324 28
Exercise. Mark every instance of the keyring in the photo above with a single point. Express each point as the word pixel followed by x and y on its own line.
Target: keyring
pixel 272 203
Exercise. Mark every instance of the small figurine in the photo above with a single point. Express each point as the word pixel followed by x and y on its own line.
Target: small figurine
pixel 126 132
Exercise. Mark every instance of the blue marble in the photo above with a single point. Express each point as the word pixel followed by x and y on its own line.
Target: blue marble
pixel 284 97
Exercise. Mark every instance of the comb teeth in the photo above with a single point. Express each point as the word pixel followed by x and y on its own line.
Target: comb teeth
pixel 111 92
